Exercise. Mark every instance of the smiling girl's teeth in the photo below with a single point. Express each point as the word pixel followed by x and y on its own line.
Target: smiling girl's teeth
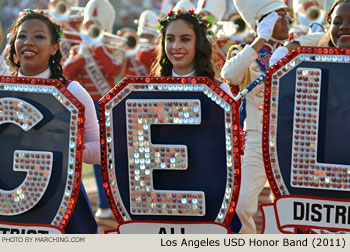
pixel 345 36
pixel 28 53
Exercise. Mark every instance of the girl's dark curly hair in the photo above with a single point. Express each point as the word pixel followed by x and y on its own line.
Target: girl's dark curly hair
pixel 203 57
pixel 54 61
pixel 326 40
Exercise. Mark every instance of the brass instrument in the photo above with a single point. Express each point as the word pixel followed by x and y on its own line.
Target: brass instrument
pixel 92 33
pixel 228 28
pixel 234 27
pixel 62 9
pixel 310 11
pixel 133 41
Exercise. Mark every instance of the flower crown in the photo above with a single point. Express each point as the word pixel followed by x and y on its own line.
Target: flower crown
pixel 328 18
pixel 58 28
pixel 172 15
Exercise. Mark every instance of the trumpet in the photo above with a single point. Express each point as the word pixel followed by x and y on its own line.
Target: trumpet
pixel 62 9
pixel 133 42
pixel 91 32
pixel 310 11
pixel 234 27
pixel 228 28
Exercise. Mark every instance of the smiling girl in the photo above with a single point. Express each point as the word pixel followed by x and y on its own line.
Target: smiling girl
pixel 339 19
pixel 338 34
pixel 180 46
pixel 184 49
pixel 34 52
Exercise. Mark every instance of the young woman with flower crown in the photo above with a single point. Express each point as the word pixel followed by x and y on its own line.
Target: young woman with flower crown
pixel 34 51
pixel 184 49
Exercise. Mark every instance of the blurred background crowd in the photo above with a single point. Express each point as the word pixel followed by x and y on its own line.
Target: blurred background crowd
pixel 228 26
pixel 126 10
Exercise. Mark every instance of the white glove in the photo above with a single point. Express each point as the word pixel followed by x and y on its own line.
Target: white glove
pixel 265 27
pixel 278 54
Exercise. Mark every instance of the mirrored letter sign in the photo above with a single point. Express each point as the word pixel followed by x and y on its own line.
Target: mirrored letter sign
pixel 41 131
pixel 170 155
pixel 305 136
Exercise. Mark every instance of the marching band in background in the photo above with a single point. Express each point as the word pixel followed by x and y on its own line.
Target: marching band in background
pixel 95 63
pixel 98 56
pixel 246 64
